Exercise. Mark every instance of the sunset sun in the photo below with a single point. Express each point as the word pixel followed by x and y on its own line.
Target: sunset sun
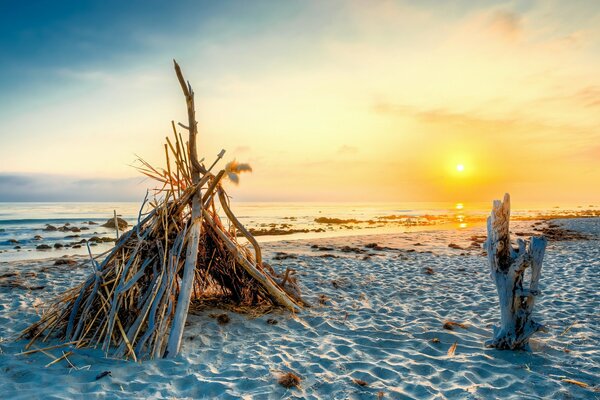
pixel 460 168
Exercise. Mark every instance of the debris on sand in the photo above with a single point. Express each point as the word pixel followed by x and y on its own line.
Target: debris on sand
pixel 574 382
pixel 103 374
pixel 323 299
pixel 289 380
pixel 452 349
pixel 450 325
pixel 360 382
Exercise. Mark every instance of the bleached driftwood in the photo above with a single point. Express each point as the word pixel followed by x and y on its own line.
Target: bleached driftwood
pixel 187 281
pixel 507 268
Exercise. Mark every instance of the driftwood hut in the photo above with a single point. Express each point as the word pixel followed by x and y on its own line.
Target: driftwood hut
pixel 136 301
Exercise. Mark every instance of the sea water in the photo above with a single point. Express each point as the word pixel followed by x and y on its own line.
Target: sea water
pixel 20 223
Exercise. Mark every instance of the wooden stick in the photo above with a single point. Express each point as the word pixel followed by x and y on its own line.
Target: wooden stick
pixel 225 204
pixel 187 282
pixel 64 356
pixel 23 353
pixel 278 295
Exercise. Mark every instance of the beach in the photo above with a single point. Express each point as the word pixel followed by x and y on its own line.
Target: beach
pixel 376 328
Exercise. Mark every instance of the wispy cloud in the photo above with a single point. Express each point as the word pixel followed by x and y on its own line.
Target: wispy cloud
pixel 505 23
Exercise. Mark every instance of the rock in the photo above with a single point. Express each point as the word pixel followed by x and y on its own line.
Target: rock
pixel 284 256
pixel 111 223
pixel 43 247
pixel 13 241
pixel 92 223
pixel 97 239
pixel 58 246
pixel 65 261
pixel 50 228
pixel 37 237
pixel 17 247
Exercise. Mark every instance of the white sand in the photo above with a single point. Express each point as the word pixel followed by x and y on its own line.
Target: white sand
pixel 377 325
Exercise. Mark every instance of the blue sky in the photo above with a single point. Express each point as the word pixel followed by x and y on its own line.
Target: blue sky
pixel 314 94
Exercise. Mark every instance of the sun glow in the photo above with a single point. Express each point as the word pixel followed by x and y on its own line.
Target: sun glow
pixel 460 168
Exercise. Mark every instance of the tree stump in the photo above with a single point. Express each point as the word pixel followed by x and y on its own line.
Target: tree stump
pixel 507 269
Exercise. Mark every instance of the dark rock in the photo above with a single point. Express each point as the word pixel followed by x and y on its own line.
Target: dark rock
pixel 43 247
pixel 50 228
pixel 328 256
pixel 65 261
pixel 284 256
pixel 348 249
pixel 97 239
pixel 111 223
pixel 13 241
pixel 37 237
pixel 58 246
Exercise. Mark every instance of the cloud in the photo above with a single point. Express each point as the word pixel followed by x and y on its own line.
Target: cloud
pixel 42 187
pixel 345 150
pixel 443 116
pixel 506 24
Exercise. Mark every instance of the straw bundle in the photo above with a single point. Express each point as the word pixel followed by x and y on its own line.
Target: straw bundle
pixel 135 303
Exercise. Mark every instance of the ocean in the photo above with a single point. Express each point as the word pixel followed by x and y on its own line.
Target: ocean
pixel 24 226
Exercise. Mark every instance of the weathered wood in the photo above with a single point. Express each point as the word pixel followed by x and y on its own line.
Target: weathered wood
pixel 187 280
pixel 507 269
pixel 277 293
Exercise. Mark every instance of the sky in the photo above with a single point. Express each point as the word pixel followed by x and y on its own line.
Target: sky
pixel 327 100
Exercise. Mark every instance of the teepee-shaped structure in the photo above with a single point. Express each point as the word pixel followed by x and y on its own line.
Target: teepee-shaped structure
pixel 136 302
